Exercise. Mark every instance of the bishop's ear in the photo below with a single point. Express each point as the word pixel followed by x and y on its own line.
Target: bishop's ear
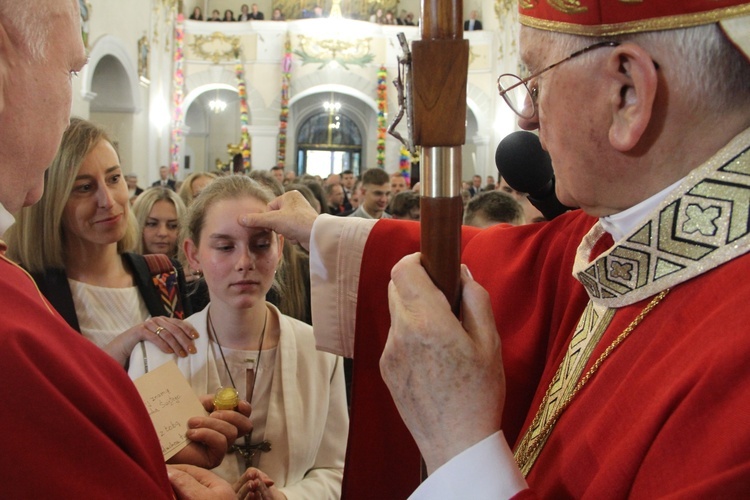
pixel 633 81
pixel 7 54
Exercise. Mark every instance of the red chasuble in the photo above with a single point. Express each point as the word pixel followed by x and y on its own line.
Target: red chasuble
pixel 73 424
pixel 668 412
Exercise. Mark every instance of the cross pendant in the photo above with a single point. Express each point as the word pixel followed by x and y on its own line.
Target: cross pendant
pixel 251 452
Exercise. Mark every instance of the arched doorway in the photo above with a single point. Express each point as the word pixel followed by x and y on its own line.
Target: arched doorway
pixel 329 141
pixel 212 123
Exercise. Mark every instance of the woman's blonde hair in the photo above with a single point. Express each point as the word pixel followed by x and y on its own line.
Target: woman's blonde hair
pixel 146 201
pixel 186 190
pixel 37 238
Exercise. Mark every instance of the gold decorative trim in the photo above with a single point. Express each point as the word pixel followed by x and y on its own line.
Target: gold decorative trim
pixel 568 6
pixel 473 56
pixel 551 408
pixel 216 47
pixel 655 24
pixel 702 224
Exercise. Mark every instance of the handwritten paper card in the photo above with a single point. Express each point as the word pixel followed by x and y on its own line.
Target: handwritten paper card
pixel 170 402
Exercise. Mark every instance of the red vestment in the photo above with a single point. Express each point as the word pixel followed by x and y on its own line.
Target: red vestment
pixel 667 412
pixel 73 424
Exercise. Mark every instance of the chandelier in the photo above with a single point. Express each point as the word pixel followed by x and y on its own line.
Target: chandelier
pixel 332 106
pixel 334 120
pixel 217 105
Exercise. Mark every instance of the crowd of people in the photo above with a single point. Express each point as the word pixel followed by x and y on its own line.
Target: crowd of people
pixel 246 13
pixel 252 13
pixel 600 354
pixel 388 17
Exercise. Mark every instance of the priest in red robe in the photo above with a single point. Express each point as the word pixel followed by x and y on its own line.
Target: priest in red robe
pixel 73 424
pixel 602 354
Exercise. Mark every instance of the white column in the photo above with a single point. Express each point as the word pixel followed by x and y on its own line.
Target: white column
pixel 263 140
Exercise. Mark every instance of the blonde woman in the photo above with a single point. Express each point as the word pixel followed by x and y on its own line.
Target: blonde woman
pixel 158 212
pixel 76 242
pixel 193 185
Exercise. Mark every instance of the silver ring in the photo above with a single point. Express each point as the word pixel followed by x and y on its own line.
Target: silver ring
pixel 158 331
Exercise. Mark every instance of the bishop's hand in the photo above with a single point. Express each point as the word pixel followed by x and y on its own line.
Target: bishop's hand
pixel 290 215
pixel 446 376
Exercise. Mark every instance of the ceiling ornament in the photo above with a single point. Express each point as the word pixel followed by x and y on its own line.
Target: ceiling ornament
pixel 345 52
pixel 216 47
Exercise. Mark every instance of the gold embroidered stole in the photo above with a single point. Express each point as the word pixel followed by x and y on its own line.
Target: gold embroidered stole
pixel 591 327
pixel 703 223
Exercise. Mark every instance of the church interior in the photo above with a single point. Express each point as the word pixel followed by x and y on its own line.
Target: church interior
pixel 311 94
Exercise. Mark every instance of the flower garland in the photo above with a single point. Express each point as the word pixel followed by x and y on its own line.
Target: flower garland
pixel 178 94
pixel 382 110
pixel 286 76
pixel 239 70
pixel 404 165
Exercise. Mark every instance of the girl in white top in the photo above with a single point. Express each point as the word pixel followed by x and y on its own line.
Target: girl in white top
pixel 300 419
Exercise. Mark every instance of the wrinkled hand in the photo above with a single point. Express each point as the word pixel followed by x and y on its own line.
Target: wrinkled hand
pixel 255 484
pixel 290 215
pixel 171 335
pixel 194 483
pixel 211 436
pixel 446 378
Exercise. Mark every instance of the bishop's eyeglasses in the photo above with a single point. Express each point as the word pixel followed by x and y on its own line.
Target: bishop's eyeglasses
pixel 516 92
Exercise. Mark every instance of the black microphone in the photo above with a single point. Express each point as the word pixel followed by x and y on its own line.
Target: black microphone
pixel 527 168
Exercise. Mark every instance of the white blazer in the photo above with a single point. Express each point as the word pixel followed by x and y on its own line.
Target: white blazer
pixel 308 421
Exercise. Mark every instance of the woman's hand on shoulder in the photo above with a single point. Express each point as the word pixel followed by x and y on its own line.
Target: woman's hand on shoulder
pixel 171 335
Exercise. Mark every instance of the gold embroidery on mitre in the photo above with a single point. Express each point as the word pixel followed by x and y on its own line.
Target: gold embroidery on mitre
pixel 527 4
pixel 639 26
pixel 568 6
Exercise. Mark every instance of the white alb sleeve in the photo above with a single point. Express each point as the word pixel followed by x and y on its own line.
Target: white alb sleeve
pixel 485 471
pixel 336 248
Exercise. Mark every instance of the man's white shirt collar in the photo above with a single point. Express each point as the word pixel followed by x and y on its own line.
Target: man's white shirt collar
pixel 6 220
pixel 622 223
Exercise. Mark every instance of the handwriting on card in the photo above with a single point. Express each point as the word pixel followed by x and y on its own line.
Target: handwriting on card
pixel 170 402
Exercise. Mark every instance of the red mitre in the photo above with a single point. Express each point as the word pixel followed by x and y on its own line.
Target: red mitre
pixel 615 17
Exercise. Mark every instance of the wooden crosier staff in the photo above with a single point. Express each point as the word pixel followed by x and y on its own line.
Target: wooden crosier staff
pixel 440 64
pixel 432 92
pixel 382 457
pixel 434 95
